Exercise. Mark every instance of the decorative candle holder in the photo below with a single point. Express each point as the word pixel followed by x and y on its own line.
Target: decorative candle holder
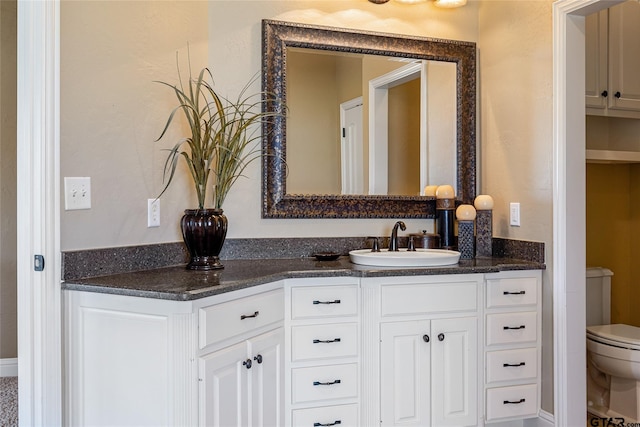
pixel 445 209
pixel 484 225
pixel 465 215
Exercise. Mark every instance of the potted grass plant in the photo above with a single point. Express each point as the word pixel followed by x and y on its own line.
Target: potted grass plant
pixel 222 140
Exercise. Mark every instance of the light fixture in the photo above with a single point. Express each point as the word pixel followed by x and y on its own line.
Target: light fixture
pixel 440 3
pixel 450 3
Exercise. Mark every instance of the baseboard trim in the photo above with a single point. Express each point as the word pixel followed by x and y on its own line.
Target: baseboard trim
pixel 9 367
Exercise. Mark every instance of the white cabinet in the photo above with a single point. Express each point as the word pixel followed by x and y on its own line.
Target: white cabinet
pixel 133 361
pixel 512 345
pixel 428 349
pixel 429 364
pixel 613 61
pixel 440 350
pixel 322 339
pixel 240 385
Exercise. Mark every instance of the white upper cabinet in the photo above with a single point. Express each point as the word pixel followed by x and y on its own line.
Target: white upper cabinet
pixel 613 61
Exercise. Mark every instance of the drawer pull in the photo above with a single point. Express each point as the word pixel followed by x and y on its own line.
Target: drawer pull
pixel 508 402
pixel 513 327
pixel 513 293
pixel 326 341
pixel 329 383
pixel 515 365
pixel 335 423
pixel 248 316
pixel 337 301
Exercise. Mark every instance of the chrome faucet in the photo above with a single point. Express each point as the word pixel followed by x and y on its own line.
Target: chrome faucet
pixel 393 242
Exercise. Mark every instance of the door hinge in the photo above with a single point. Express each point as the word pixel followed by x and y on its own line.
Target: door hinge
pixel 38 262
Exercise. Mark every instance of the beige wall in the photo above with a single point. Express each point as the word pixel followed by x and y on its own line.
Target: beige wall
pixel 516 141
pixel 111 112
pixel 8 290
pixel 404 137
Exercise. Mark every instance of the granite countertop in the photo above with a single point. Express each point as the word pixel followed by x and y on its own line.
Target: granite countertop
pixel 177 283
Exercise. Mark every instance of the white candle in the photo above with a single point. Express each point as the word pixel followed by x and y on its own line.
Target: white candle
pixel 466 213
pixel 483 202
pixel 445 192
pixel 430 190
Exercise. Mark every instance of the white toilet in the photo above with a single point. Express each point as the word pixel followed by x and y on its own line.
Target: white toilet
pixel 613 355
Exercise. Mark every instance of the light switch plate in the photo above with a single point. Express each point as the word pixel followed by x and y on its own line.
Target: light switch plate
pixel 77 193
pixel 514 210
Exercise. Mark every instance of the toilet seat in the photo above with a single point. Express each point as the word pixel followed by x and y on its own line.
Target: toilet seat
pixel 617 335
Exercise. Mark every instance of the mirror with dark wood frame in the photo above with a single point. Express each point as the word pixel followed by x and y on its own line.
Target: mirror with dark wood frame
pixel 280 40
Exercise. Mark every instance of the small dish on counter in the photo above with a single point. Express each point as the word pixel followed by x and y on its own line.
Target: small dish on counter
pixel 326 256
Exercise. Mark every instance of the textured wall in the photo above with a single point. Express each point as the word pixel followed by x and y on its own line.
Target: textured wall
pixel 8 291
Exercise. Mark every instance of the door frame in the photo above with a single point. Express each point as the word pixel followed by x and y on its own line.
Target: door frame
pixel 38 210
pixel 569 200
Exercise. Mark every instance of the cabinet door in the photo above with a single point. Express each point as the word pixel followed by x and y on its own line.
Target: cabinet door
pixel 405 373
pixel 596 59
pixel 454 375
pixel 223 387
pixel 266 379
pixel 624 56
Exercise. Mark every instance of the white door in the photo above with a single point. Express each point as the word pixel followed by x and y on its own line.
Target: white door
pixel 223 387
pixel 405 373
pixel 266 379
pixel 454 376
pixel 351 152
pixel 624 56
pixel 596 60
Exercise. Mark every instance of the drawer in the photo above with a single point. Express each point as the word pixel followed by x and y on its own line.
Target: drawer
pixel 429 298
pixel 512 292
pixel 512 402
pixel 324 341
pixel 511 328
pixel 509 365
pixel 324 301
pixel 320 383
pixel 222 321
pixel 342 415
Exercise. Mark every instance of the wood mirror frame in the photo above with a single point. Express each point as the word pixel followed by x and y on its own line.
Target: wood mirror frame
pixel 277 36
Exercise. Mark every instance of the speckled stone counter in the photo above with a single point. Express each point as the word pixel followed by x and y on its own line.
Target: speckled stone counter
pixel 177 283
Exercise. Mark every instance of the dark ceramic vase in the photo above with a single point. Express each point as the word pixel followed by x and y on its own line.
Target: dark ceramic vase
pixel 204 231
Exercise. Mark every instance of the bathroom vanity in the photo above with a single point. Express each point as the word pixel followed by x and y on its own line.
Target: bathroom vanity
pixel 300 342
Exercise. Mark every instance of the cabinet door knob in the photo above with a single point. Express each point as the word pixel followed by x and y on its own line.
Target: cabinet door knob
pixel 249 316
pixel 258 358
pixel 247 363
pixel 425 338
pixel 604 93
pixel 440 337
pixel 617 94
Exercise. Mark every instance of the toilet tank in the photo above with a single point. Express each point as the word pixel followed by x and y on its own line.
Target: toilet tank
pixel 598 296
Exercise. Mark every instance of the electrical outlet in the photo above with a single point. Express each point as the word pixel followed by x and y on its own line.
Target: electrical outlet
pixel 153 213
pixel 514 210
pixel 77 193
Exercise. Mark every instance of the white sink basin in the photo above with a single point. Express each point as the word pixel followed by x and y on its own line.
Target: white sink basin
pixel 404 258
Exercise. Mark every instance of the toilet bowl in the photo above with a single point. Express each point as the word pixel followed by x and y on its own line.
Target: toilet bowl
pixel 613 356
